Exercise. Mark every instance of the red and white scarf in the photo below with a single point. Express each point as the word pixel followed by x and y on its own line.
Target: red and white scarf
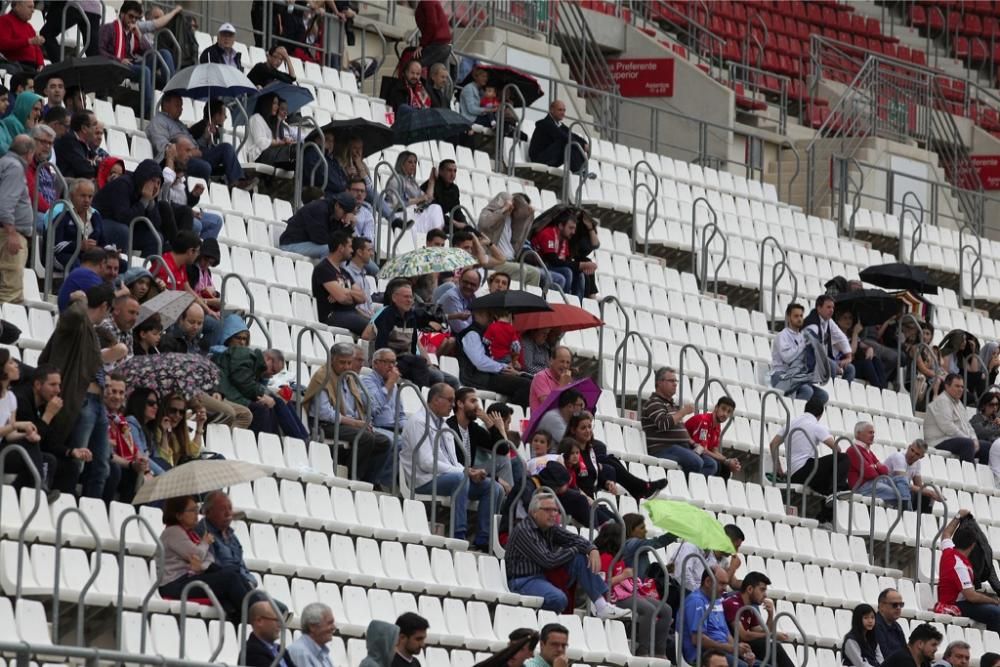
pixel 122 49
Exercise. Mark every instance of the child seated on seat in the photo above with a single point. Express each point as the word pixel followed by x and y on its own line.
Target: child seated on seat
pixel 504 340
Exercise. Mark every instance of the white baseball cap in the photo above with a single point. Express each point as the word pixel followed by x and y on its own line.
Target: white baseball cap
pixel 227 27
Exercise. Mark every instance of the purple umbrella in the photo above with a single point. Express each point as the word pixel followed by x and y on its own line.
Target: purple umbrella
pixel 587 388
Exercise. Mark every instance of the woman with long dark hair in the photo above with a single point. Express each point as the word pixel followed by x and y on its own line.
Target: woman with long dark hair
pixel 604 470
pixel 263 142
pixel 627 589
pixel 860 648
pixel 141 411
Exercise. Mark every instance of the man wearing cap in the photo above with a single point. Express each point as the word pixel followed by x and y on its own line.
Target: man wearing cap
pixel 222 52
pixel 309 230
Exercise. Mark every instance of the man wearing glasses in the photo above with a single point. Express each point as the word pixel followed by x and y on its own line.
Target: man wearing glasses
pixel 888 633
pixel 456 302
pixel 539 544
pixel 262 643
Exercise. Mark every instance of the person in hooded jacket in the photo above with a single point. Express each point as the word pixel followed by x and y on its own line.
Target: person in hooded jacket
pixel 109 169
pixel 241 380
pixel 380 639
pixel 132 195
pixel 26 114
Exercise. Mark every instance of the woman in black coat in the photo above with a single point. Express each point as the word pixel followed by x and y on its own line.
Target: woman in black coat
pixel 604 470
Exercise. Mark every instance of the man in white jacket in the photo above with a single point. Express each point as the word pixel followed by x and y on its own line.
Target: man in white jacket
pixel 946 423
pixel 418 466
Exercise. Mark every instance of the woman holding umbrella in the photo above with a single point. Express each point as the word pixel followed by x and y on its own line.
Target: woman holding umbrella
pixel 263 145
pixel 403 190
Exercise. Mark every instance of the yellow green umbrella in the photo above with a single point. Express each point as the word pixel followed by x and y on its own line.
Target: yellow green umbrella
pixel 689 523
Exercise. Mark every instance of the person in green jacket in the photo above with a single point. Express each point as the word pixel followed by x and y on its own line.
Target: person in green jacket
pixel 27 113
pixel 241 380
pixel 5 136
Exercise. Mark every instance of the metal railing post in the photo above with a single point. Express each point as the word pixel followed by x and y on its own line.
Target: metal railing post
pixel 708 609
pixel 649 368
pixel 37 485
pixel 709 232
pixel 80 600
pixel 153 586
pixel 210 594
pixel 315 430
pixel 780 398
pixel 152 228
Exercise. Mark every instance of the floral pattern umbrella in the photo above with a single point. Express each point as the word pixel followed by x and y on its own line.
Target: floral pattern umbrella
pixel 187 374
pixel 426 260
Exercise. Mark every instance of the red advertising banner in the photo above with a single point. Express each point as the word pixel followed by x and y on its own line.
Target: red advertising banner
pixel 643 77
pixel 988 167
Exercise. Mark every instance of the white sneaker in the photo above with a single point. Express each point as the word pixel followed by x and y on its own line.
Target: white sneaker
pixel 611 613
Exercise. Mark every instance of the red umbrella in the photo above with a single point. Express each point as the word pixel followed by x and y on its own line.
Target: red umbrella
pixel 563 317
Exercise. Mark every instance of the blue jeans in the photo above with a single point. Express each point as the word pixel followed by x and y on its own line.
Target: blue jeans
pixel 91 432
pixel 568 280
pixel 384 477
pixel 149 61
pixel 885 491
pixel 220 155
pixel 307 248
pixel 982 613
pixel 848 374
pixel 689 460
pixel 208 225
pixel 555 599
pixel 462 490
pixel 963 448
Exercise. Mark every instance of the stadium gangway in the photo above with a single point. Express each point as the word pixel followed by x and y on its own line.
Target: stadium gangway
pixel 509 91
pixel 708 233
pixel 975 267
pixel 652 212
pixel 600 335
pixel 776 276
pixel 620 352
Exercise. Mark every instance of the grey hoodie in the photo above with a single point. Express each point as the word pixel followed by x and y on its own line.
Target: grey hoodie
pixel 381 641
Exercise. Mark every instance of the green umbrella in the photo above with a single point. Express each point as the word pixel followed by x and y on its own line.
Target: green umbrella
pixel 689 523
pixel 425 260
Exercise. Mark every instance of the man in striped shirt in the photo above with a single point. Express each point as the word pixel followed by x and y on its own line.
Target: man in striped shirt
pixel 539 544
pixel 663 424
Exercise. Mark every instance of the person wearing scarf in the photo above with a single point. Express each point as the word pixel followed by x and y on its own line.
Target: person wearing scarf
pixel 409 93
pixel 26 114
pixel 187 556
pixel 350 408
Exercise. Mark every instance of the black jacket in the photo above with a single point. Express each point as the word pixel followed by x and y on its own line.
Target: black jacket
pixel 447 197
pixel 547 133
pixel 215 54
pixel 259 655
pixel 262 74
pixel 120 200
pixel 27 412
pixel 313 222
pixel 479 438
pixel 75 158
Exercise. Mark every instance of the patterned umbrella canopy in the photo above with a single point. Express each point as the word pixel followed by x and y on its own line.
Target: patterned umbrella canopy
pixel 186 374
pixel 197 477
pixel 425 260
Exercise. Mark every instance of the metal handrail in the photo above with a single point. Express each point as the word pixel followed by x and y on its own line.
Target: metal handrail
pixel 143 83
pixel 653 203
pixel 468 220
pixel 50 232
pixel 315 431
pixel 567 172
pixel 510 90
pixel 210 594
pixel 919 348
pixel 402 384
pixel 592 530
pixel 600 336
pixel 888 532
pixel 245 622
pixel 854 489
pixel 704 407
pixel 152 228
pixel 36 478
pixel 338 405
pixel 253 318
pixel 774 277
pixel 802 634
pixel 543 270
pixel 919 510
pixel 80 604
pixel 738 626
pixel 300 151
pixel 85 23
pixel 144 607
pixel 706 240
pixel 682 355
pixel 246 289
pixel 649 368
pixel 780 398
pixel 786 143
pixel 152 260
pixel 812 471
pixel 661 604
pixel 494 455
pixel 899 342
pixel 708 608
pixel 444 430
pixel 977 263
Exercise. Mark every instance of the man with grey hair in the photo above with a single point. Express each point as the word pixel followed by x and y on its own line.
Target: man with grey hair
pixel 386 409
pixel 36 175
pixel 539 544
pixel 261 646
pixel 904 466
pixel 178 158
pixel 956 654
pixel 17 222
pixel 429 463
pixel 335 400
pixel 866 472
pixel 440 86
pixel 311 649
pixel 666 437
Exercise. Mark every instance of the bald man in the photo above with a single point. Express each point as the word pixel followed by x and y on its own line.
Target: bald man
pixel 548 143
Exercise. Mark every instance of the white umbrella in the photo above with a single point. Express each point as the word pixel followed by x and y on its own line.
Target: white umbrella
pixel 210 80
pixel 169 305
pixel 197 477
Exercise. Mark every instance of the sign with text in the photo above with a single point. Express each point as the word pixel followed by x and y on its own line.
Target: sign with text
pixel 988 167
pixel 643 77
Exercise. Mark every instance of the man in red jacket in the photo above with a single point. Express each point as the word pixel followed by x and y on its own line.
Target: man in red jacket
pixel 435 33
pixel 18 40
pixel 865 470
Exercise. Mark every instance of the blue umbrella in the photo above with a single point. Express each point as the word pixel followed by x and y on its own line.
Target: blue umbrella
pixel 295 96
pixel 427 125
pixel 210 81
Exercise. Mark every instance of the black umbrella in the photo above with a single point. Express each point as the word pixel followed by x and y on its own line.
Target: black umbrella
pixel 555 215
pixel 870 306
pixel 514 301
pixel 92 74
pixel 503 76
pixel 374 136
pixel 899 276
pixel 427 125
